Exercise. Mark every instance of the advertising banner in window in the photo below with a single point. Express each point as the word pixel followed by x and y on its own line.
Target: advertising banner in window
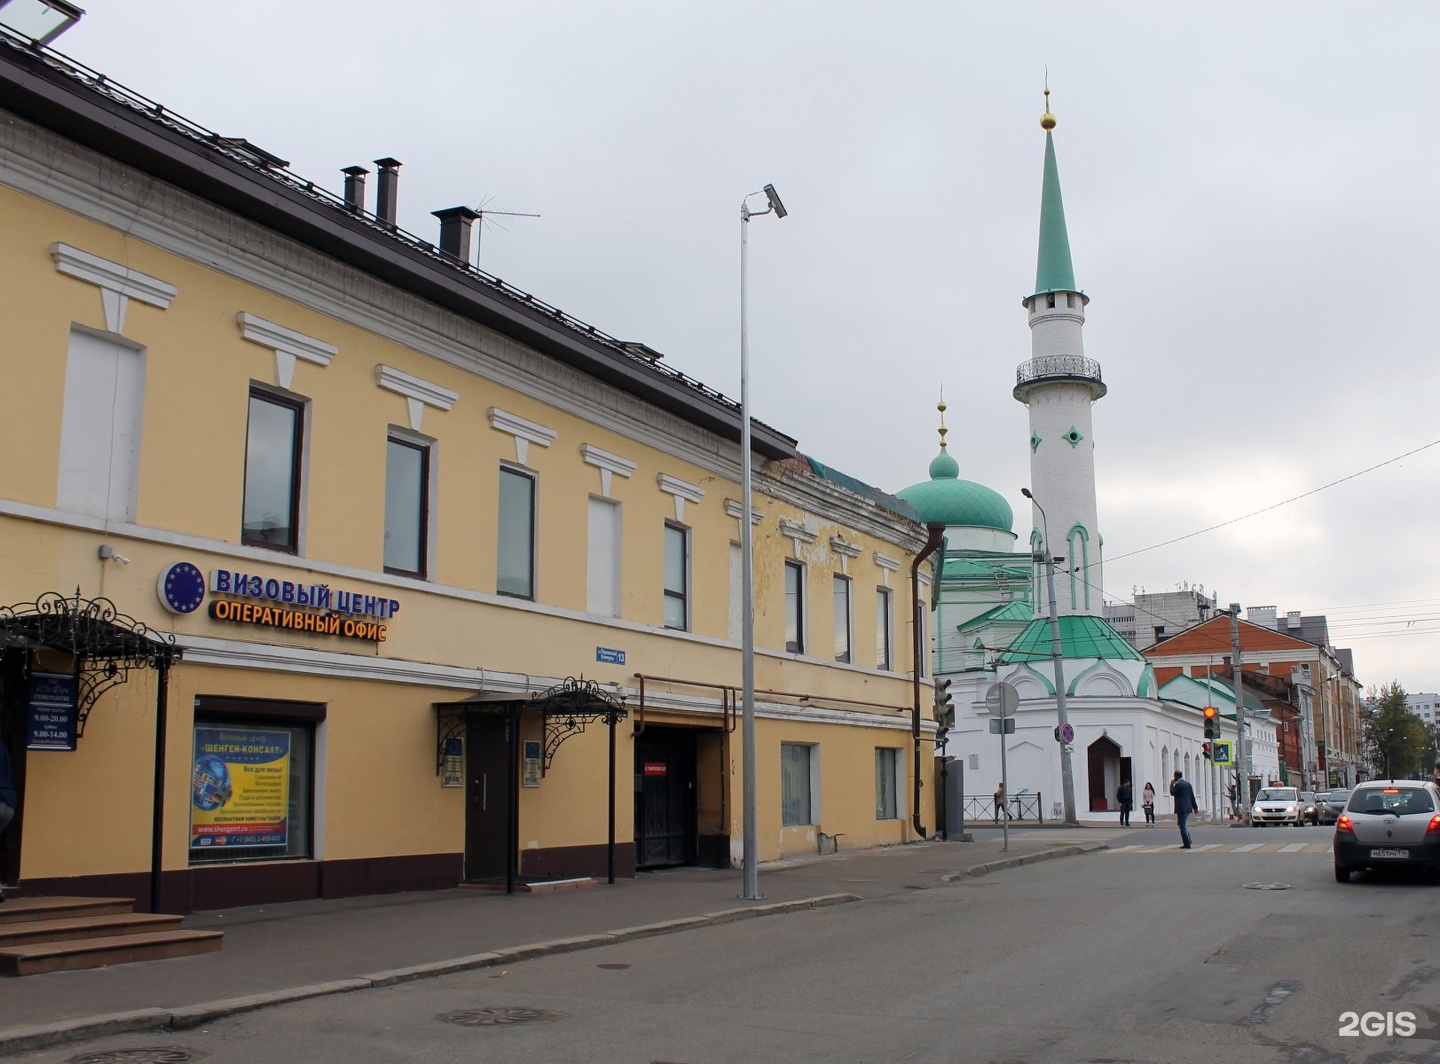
pixel 50 723
pixel 240 788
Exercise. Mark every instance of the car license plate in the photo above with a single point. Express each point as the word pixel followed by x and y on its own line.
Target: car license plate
pixel 1390 853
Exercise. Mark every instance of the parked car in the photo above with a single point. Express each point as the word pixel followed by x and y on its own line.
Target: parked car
pixel 1277 805
pixel 1332 804
pixel 1388 824
pixel 1309 807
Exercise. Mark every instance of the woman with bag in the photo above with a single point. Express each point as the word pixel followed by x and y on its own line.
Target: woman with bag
pixel 1148 802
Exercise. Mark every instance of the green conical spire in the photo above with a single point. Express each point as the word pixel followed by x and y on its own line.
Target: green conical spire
pixel 1053 271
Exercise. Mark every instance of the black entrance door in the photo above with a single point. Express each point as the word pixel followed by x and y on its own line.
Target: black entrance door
pixel 665 828
pixel 13 698
pixel 487 794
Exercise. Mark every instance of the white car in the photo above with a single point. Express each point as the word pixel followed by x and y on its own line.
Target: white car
pixel 1277 805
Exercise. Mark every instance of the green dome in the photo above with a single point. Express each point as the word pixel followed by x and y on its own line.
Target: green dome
pixel 948 499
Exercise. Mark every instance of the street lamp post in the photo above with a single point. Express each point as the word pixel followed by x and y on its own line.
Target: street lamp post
pixel 1067 773
pixel 747 560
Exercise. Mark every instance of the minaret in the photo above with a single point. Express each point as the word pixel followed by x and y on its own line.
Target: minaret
pixel 1059 385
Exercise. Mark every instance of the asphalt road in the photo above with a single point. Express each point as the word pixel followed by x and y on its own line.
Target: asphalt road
pixel 1141 953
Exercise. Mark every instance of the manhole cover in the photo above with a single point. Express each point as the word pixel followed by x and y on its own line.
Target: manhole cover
pixel 1267 886
pixel 507 1016
pixel 613 967
pixel 148 1055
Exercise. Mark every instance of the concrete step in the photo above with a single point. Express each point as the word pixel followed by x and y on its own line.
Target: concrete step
pixel 72 954
pixel 28 932
pixel 21 910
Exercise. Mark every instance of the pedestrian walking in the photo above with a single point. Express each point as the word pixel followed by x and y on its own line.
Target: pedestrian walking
pixel 9 801
pixel 1125 795
pixel 1185 804
pixel 1147 802
pixel 1000 805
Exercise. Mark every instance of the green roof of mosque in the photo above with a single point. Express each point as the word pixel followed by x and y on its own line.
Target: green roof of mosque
pixel 1010 611
pixel 1054 271
pixel 1080 637
pixel 952 501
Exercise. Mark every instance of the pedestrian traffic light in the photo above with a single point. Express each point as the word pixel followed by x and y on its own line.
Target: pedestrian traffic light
pixel 1206 751
pixel 1212 725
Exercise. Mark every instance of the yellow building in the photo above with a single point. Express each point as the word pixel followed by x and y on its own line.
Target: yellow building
pixel 335 566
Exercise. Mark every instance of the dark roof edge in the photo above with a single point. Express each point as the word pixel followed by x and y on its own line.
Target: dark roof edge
pixel 40 91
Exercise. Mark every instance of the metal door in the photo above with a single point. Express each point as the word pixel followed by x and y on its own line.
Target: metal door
pixel 665 827
pixel 487 795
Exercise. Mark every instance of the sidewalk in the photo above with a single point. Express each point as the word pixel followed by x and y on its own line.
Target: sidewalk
pixel 278 953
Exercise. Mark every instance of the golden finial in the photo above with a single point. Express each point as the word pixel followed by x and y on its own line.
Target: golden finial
pixel 1047 120
pixel 940 406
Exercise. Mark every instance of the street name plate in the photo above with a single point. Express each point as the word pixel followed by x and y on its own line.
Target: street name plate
pixel 1003 725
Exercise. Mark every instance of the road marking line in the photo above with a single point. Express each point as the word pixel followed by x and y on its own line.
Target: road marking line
pixel 1208 846
pixel 1247 847
pixel 1293 847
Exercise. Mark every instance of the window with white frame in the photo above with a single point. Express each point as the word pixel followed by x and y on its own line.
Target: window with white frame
pixel 677 577
pixel 407 505
pixel 794 607
pixel 841 594
pixel 274 436
pixel 884 629
pixel 887 777
pixel 100 427
pixel 515 574
pixel 602 558
pixel 797 784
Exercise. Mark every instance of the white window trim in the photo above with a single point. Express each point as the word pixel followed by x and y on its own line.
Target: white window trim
pixel 118 284
pixel 287 344
pixel 525 432
pixel 609 464
pixel 734 508
pixel 797 533
pixel 887 565
pixel 846 550
pixel 418 393
pixel 683 492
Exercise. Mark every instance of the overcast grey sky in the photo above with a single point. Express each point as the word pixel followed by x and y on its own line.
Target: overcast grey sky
pixel 1250 188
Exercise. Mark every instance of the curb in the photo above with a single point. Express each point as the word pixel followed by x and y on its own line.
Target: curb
pixel 1024 859
pixel 24 1039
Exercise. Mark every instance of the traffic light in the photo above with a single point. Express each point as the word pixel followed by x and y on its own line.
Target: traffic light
pixel 944 712
pixel 1212 726
pixel 1206 751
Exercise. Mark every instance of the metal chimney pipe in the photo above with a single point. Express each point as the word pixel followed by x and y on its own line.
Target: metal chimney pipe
pixel 387 194
pixel 355 188
pixel 455 224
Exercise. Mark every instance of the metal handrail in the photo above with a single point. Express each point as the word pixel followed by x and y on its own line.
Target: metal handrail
pixel 1023 806
pixel 1058 366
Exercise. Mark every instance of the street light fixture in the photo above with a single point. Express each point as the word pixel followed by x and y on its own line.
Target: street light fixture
pixel 750 858
pixel 1067 772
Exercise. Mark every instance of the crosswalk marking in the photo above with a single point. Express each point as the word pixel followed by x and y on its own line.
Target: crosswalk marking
pixel 1294 847
pixel 1252 848
pixel 1247 846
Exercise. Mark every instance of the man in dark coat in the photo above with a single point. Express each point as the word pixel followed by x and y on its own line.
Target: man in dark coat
pixel 1185 804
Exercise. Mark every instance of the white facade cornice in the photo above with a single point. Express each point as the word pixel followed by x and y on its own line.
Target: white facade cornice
pixel 847 551
pixel 610 465
pixel 418 393
pixel 797 534
pixel 525 432
pixel 118 284
pixel 734 508
pixel 682 491
pixel 287 344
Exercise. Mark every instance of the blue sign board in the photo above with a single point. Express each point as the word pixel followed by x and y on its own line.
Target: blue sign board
pixel 50 722
pixel 610 656
pixel 1220 753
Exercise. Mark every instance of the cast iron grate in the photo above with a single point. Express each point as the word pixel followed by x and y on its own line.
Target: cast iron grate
pixel 1267 886
pixel 502 1016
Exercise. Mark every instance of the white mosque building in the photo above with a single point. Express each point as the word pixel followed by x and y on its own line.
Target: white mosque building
pixel 991 613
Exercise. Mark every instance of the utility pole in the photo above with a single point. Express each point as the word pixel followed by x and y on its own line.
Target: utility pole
pixel 1242 748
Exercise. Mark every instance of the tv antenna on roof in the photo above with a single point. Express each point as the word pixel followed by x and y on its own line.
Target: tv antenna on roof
pixel 487 217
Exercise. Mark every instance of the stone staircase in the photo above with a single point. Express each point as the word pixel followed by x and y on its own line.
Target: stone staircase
pixel 63 934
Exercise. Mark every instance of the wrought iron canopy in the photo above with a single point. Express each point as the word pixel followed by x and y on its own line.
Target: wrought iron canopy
pixel 105 643
pixel 569 706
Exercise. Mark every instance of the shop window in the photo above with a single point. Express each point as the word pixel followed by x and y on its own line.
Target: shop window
pixel 884 629
pixel 677 577
pixel 841 595
pixel 273 439
pixel 253 780
pixel 407 505
pixel 516 569
pixel 797 781
pixel 794 607
pixel 100 427
pixel 887 775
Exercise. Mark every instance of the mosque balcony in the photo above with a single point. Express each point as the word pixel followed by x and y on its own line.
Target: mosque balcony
pixel 1057 368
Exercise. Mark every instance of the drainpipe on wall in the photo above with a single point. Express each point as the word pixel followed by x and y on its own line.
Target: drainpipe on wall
pixel 919 642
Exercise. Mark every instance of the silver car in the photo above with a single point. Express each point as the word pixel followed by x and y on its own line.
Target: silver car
pixel 1388 823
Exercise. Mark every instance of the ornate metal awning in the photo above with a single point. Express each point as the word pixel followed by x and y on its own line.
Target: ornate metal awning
pixel 105 643
pixel 569 706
